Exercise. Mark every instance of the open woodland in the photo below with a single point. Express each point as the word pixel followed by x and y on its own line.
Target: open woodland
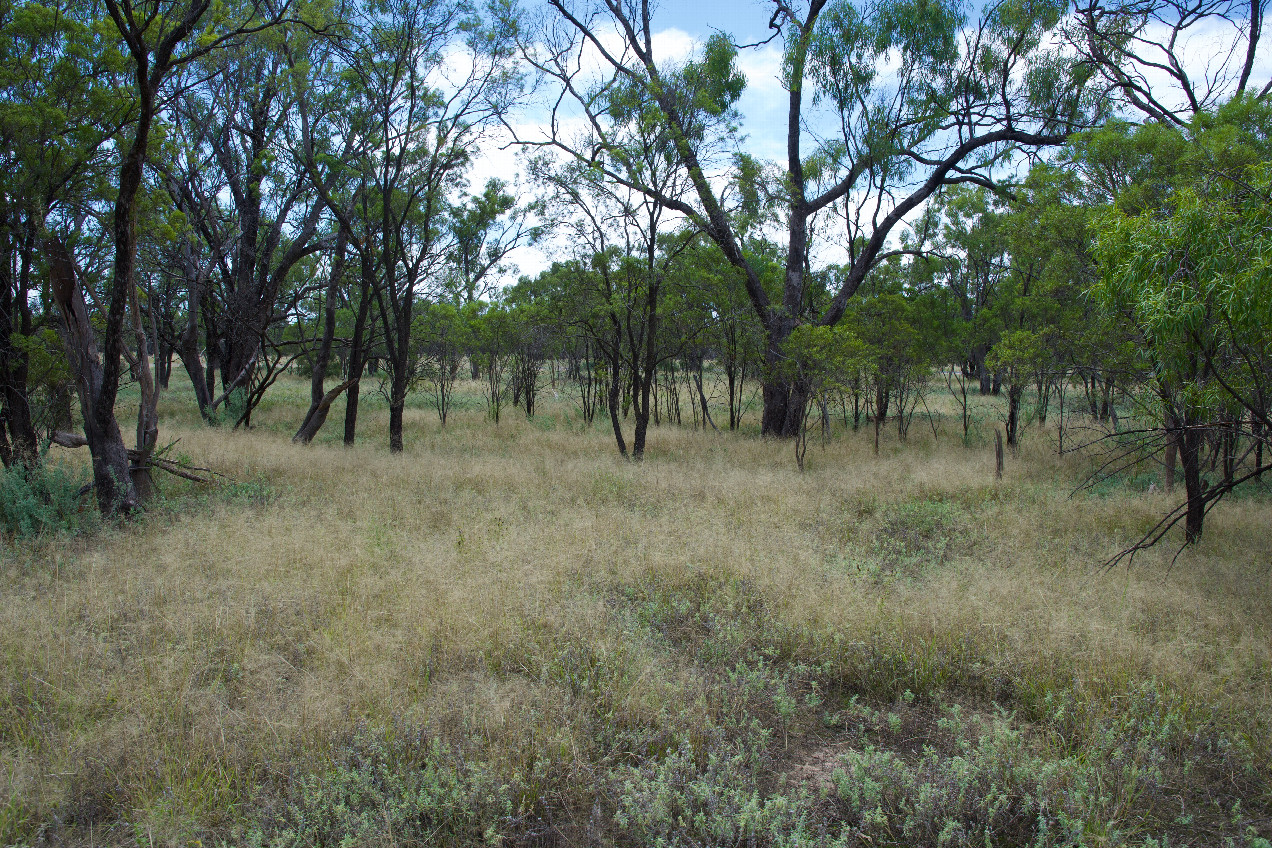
pixel 510 635
pixel 908 485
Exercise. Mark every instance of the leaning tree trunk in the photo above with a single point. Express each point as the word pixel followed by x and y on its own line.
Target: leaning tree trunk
pixel 111 477
pixel 615 388
pixel 319 400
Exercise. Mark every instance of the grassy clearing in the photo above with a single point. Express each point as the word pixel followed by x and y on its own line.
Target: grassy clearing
pixel 509 636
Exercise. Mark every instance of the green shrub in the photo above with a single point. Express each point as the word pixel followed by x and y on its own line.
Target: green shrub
pixel 387 787
pixel 40 499
pixel 709 796
pixel 994 789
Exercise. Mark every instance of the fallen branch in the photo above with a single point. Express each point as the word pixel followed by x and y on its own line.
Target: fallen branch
pixel 139 460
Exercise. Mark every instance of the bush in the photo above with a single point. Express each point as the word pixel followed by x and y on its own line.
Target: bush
pixel 388 787
pixel 40 499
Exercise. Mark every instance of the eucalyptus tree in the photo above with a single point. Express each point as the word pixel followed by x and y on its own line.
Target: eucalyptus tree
pixel 888 102
pixel 423 84
pixel 321 398
pixel 973 262
pixel 1191 277
pixel 485 229
pixel 627 245
pixel 247 201
pixel 153 39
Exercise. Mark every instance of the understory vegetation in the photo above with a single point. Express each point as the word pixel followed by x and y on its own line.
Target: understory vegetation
pixel 507 635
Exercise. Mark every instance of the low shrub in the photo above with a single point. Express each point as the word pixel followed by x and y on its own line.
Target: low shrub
pixel 40 499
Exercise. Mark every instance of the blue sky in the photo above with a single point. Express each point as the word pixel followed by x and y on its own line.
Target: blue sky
pixel 746 20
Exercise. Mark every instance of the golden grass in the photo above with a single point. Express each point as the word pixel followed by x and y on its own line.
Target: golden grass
pixel 159 674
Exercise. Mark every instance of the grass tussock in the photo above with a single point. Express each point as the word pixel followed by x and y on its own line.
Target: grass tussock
pixel 509 636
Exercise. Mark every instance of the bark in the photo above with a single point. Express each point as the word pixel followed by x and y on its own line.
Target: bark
pixel 615 388
pixel 148 411
pixel 1013 413
pixel 983 377
pixel 647 371
pixel 318 414
pixel 397 403
pixel 187 347
pixel 111 477
pixel 702 397
pixel 395 427
pixel 357 352
pixel 784 399
pixel 1190 448
pixel 320 400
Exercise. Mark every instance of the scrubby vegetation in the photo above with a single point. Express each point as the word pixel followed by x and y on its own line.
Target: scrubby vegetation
pixel 508 635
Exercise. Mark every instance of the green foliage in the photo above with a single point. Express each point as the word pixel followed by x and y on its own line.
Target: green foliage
pixel 978 786
pixel 1198 285
pixel 1191 276
pixel 709 796
pixel 387 786
pixel 39 499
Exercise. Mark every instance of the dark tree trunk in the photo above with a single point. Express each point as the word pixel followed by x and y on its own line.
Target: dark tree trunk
pixel 980 372
pixel 400 351
pixel 1190 447
pixel 1013 413
pixel 187 346
pixel 647 372
pixel 615 388
pixel 357 353
pixel 111 472
pixel 702 396
pixel 395 426
pixel 784 397
pixel 319 401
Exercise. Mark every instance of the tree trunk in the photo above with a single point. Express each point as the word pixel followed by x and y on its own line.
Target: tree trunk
pixel 983 377
pixel 1190 444
pixel 395 427
pixel 357 354
pixel 615 388
pixel 784 401
pixel 111 473
pixel 319 400
pixel 1013 413
pixel 397 402
pixel 148 411
pixel 702 397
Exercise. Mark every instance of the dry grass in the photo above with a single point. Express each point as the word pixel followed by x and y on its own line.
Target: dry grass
pixel 556 615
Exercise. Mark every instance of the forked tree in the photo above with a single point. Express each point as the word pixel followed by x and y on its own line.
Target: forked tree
pixel 889 101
